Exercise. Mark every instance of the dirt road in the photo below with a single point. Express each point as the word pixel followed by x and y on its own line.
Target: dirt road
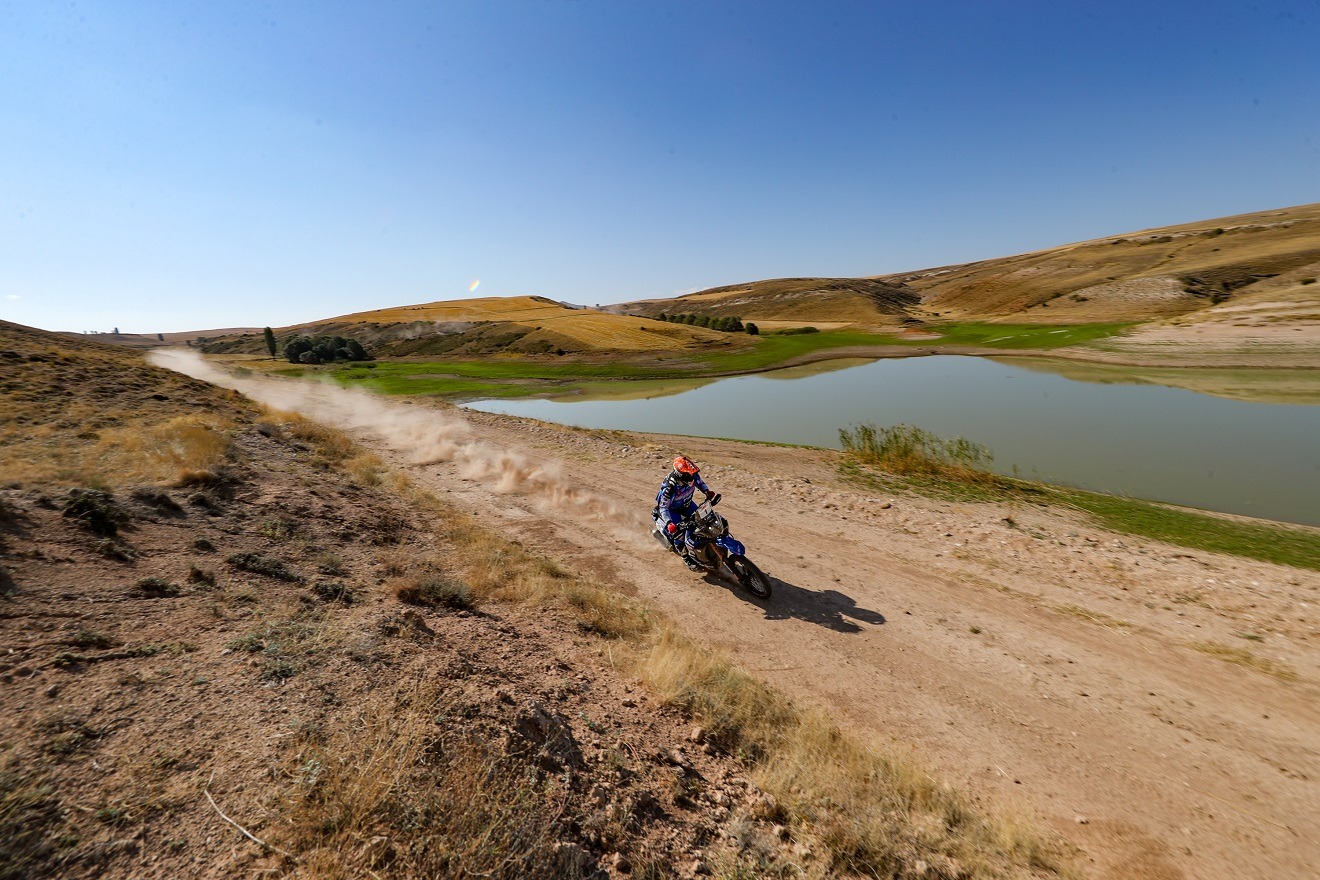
pixel 1156 706
pixel 1044 662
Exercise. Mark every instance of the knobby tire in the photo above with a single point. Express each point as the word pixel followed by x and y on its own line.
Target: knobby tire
pixel 751 578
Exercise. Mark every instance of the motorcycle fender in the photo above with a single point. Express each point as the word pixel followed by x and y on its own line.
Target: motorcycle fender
pixel 733 547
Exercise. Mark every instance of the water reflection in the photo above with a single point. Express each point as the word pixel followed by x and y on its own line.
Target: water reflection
pixel 1253 385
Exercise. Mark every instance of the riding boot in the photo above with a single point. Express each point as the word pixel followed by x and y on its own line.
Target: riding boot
pixel 689 559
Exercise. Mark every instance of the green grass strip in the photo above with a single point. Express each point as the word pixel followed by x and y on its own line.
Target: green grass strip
pixel 774 349
pixel 1023 336
pixel 1278 544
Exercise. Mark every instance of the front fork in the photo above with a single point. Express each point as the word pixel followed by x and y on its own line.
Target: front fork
pixel 710 555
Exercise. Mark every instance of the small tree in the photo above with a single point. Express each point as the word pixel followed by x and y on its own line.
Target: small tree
pixel 752 330
pixel 270 341
pixel 160 337
pixel 116 331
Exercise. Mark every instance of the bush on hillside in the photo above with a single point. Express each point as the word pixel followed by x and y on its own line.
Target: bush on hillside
pixel 324 349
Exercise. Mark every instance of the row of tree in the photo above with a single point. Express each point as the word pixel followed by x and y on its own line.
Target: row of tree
pixel 726 324
pixel 324 349
pixel 317 349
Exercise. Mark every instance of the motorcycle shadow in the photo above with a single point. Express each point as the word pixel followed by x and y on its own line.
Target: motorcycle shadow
pixel 828 608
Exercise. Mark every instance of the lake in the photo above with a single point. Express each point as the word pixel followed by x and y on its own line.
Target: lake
pixel 1147 441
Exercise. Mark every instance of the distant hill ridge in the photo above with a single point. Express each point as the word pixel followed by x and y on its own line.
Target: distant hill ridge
pixel 1140 276
pixel 489 325
pixel 1260 268
pixel 850 300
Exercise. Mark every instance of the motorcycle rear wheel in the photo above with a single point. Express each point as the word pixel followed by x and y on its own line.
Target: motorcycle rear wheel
pixel 751 578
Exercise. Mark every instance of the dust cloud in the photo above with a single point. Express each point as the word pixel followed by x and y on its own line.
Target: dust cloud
pixel 422 435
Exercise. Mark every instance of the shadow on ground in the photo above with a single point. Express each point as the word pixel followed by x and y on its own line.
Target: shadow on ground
pixel 827 608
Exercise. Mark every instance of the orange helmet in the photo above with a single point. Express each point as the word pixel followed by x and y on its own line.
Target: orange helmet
pixel 685 468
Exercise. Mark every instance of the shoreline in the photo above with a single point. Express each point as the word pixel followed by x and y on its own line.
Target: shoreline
pixel 1018 482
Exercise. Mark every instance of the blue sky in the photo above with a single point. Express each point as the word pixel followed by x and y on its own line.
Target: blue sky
pixel 169 166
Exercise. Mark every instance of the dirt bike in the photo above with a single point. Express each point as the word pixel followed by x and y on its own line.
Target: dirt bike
pixel 721 549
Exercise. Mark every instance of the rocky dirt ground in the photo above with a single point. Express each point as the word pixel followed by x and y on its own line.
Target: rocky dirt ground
pixel 1155 705
pixel 171 654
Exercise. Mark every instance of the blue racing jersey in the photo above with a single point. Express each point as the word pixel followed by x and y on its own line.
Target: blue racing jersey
pixel 675 498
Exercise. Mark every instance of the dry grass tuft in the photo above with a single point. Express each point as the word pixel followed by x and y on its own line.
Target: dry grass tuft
pixel 433 590
pixel 76 410
pixel 365 469
pixel 740 712
pixel 29 819
pixel 169 451
pixel 1096 617
pixel 1243 657
pixel 335 447
pixel 876 813
pixel 390 792
pixel 503 571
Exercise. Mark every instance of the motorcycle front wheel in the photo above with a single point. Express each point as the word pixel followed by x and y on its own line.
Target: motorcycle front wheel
pixel 751 578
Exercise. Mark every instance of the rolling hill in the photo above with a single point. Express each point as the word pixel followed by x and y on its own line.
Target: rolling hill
pixel 154 340
pixel 488 325
pixel 825 302
pixel 1140 276
pixel 1256 268
pixel 1241 288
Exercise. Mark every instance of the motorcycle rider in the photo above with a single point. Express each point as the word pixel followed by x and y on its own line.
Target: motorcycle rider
pixel 674 503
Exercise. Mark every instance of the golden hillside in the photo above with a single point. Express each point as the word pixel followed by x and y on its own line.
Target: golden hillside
pixel 1156 273
pixel 487 325
pixel 1253 267
pixel 1237 282
pixel 826 302
pixel 78 411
